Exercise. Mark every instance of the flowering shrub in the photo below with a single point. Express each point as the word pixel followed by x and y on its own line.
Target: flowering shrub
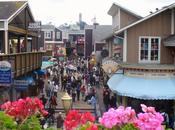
pixel 75 119
pixel 149 120
pixel 117 117
pixel 23 108
pixel 24 113
pixel 121 118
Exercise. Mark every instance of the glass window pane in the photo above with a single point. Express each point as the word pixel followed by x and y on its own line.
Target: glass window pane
pixel 144 49
pixel 154 49
pixel 1 24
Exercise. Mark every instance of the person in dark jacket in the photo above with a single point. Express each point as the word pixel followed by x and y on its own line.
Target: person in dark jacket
pixel 113 101
pixel 43 99
pixel 106 98
pixel 60 121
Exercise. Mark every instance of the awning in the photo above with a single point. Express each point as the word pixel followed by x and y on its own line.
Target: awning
pixel 40 72
pixel 23 83
pixel 143 88
pixel 46 64
pixel 170 41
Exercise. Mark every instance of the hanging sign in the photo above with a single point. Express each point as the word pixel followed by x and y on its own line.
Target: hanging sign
pixel 35 26
pixel 5 73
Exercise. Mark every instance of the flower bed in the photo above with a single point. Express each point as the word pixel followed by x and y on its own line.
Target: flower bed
pixel 23 114
pixel 116 119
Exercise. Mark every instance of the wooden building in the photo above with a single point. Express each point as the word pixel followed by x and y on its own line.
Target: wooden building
pixel 19 45
pixel 148 57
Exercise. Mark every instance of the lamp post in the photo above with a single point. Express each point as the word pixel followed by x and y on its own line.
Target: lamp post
pixel 67 102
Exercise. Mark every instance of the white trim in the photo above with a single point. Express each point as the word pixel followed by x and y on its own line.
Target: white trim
pixel 84 43
pixel 145 18
pixel 125 46
pixel 6 25
pixel 149 49
pixel 172 21
pixel 6 41
pixel 3 20
pixel 119 19
pixel 17 12
pixel 54 42
pixel 125 9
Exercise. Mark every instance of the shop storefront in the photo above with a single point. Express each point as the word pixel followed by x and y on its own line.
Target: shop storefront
pixel 151 85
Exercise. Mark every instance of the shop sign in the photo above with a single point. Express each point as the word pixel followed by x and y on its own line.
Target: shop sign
pixel 35 26
pixel 5 73
pixel 21 82
pixel 110 66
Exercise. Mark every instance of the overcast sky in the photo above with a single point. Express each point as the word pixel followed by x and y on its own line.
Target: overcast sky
pixel 67 11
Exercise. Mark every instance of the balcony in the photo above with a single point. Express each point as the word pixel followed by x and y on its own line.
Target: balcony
pixel 22 63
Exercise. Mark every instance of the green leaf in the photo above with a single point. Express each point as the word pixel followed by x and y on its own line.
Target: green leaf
pixel 7 122
pixel 129 127
pixel 32 123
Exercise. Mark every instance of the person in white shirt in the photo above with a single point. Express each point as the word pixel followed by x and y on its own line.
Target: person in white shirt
pixel 55 90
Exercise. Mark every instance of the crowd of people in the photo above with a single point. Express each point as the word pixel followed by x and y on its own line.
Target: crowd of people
pixel 80 80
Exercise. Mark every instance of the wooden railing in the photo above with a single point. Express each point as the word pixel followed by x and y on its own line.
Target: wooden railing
pixel 48 53
pixel 81 110
pixel 22 63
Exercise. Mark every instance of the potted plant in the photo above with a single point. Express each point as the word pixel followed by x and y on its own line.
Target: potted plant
pixel 23 114
pixel 116 119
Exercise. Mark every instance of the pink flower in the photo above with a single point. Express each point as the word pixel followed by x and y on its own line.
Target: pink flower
pixel 117 117
pixel 150 120
pixel 148 109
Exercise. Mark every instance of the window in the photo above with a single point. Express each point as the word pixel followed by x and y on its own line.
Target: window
pixel 48 35
pixel 149 49
pixel 58 35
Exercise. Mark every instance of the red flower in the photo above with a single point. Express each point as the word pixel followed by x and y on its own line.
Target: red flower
pixel 74 119
pixel 92 127
pixel 87 116
pixel 23 108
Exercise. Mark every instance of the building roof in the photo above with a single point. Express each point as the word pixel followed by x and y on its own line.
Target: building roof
pixel 143 88
pixel 48 26
pixel 10 8
pixel 170 41
pixel 147 17
pixel 113 10
pixel 76 32
pixel 100 32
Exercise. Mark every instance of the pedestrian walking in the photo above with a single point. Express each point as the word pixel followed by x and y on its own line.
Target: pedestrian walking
pixel 53 101
pixel 106 98
pixel 60 121
pixel 83 90
pixel 113 101
pixel 43 99
pixel 93 102
pixel 55 90
pixel 78 91
pixel 73 94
